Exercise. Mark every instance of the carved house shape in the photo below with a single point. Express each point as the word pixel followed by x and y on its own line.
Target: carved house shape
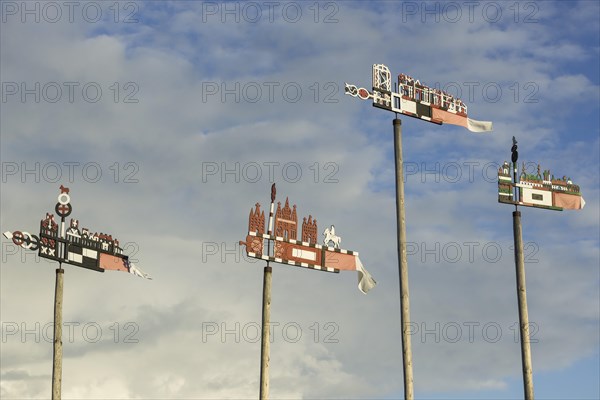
pixel 286 221
pixel 105 241
pixel 256 220
pixel 309 230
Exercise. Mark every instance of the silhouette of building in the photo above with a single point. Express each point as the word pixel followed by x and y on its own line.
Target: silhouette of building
pixel 286 221
pixel 256 221
pixel 309 230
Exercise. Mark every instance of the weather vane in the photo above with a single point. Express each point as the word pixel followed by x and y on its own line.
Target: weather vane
pixel 539 190
pixel 411 98
pixel 416 100
pixel 95 251
pixel 281 245
pixel 79 247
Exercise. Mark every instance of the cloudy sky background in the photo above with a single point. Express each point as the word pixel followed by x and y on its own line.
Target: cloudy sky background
pixel 164 134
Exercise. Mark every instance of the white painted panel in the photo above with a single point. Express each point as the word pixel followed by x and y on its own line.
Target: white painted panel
pixel 307 255
pixel 90 253
pixel 75 257
pixel 534 196
pixel 407 105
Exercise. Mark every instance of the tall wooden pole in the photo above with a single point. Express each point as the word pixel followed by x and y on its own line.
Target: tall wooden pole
pixel 402 263
pixel 57 354
pixel 523 314
pixel 266 335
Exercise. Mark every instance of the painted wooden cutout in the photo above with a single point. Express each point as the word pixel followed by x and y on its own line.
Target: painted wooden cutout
pixel 75 246
pixel 281 244
pixel 414 99
pixel 540 189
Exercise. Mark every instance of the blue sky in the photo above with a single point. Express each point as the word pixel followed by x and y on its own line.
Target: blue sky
pixel 204 104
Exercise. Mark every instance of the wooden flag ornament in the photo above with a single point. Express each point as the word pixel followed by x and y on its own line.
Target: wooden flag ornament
pixel 416 100
pixel 540 189
pixel 283 245
pixel 75 246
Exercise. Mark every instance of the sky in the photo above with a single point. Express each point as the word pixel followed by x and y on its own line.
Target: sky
pixel 168 121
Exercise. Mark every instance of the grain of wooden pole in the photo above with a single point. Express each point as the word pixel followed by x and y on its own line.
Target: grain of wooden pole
pixel 523 314
pixel 57 353
pixel 265 338
pixel 403 264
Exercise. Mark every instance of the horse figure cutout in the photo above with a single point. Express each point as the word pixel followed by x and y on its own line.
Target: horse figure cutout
pixel 330 236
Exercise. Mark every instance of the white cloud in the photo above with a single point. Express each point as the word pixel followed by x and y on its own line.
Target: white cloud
pixel 177 215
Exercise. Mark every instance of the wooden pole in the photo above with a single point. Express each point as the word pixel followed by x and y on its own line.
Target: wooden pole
pixel 523 314
pixel 266 334
pixel 57 354
pixel 403 264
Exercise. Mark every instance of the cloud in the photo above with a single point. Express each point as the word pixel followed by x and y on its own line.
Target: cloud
pixel 202 158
